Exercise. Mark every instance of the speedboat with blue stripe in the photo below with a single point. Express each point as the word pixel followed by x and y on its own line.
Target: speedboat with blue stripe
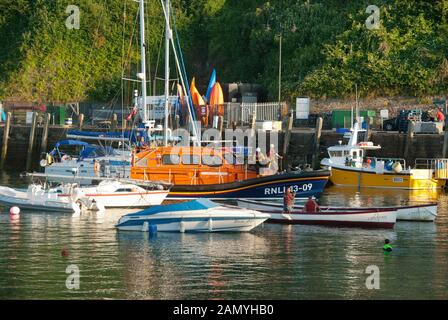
pixel 201 215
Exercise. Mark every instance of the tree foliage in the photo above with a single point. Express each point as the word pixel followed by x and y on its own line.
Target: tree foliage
pixel 327 48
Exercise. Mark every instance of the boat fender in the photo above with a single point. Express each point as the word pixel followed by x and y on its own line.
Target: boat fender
pixel 210 224
pixel 396 167
pixel 182 227
pixel 152 229
pixel 145 226
pixel 14 211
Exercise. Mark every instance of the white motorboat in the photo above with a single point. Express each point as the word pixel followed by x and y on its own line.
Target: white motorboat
pixel 37 198
pixel 120 194
pixel 200 215
pixel 93 161
pixel 421 212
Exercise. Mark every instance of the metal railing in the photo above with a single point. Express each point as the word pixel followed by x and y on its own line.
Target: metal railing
pixel 440 166
pixel 242 113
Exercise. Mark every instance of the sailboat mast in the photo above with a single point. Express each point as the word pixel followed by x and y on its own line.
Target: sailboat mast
pixel 143 59
pixel 167 66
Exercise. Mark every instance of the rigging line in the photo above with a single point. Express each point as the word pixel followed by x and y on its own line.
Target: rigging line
pixel 158 59
pixel 122 68
pixel 147 54
pixel 184 78
pixel 184 71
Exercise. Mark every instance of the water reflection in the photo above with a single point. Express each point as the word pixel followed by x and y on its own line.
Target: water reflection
pixel 273 261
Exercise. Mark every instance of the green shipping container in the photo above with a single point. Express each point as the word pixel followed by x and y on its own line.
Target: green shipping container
pixel 342 118
pixel 57 113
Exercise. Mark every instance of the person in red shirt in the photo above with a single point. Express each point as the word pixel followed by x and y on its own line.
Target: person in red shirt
pixel 440 116
pixel 311 206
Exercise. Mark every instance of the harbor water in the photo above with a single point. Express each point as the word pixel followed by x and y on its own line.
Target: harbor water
pixel 271 262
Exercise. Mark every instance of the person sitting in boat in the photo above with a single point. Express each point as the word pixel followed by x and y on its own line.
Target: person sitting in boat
pixel 273 157
pixel 288 200
pixel 367 163
pixel 96 167
pixel 141 143
pixel 311 206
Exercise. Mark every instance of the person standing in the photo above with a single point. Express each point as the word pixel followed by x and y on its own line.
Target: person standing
pixel 440 116
pixel 273 157
pixel 288 200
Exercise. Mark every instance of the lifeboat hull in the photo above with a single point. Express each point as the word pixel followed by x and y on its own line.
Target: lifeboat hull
pixel 305 184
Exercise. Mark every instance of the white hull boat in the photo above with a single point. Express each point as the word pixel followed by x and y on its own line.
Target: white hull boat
pixel 385 218
pixel 117 194
pixel 422 212
pixel 200 215
pixel 36 198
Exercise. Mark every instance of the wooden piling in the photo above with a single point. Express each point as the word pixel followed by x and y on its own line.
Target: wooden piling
pixel 44 141
pixel 317 136
pixel 5 139
pixel 29 154
pixel 80 121
pixel 409 140
pixel 286 140
pixel 114 122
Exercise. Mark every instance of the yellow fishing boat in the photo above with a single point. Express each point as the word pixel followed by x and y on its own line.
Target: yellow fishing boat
pixel 350 167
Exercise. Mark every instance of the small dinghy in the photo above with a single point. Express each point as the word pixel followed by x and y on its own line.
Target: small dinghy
pixel 422 212
pixel 37 198
pixel 120 194
pixel 367 218
pixel 200 215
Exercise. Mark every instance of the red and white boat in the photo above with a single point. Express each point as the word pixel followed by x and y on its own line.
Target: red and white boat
pixel 422 212
pixel 368 218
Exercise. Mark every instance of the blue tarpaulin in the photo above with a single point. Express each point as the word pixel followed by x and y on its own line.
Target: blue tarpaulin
pixel 93 151
pixel 71 143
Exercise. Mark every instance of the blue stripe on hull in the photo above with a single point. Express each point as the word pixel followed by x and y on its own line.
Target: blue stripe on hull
pixel 274 190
